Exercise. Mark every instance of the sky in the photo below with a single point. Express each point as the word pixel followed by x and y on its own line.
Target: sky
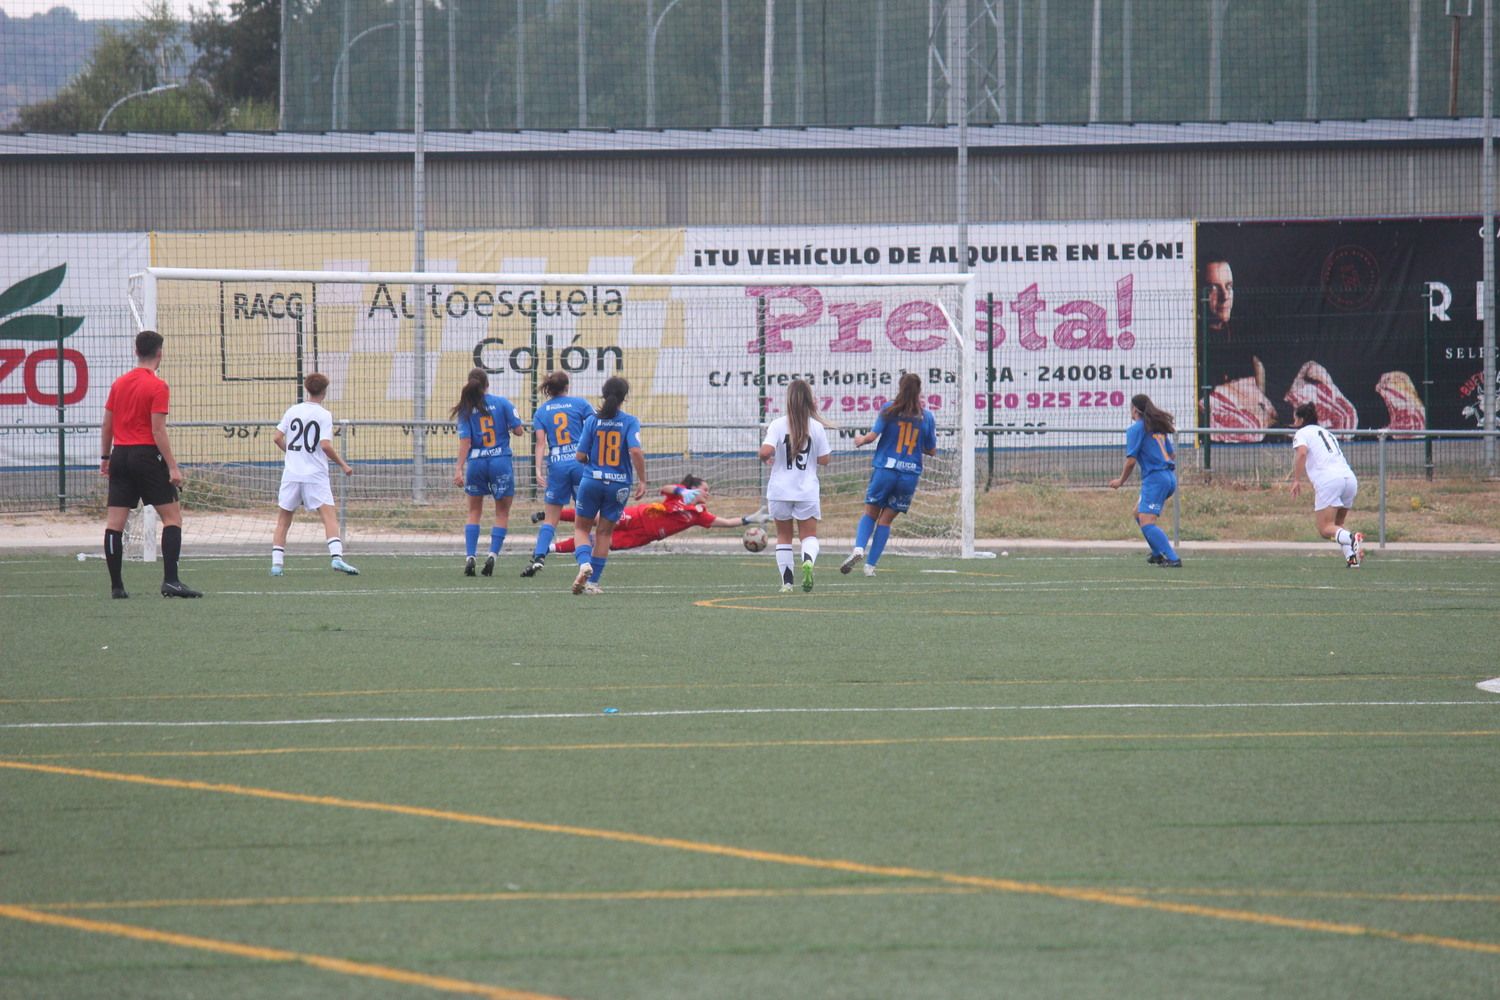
pixel 90 9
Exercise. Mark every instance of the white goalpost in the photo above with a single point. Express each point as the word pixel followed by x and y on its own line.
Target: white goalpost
pixel 708 357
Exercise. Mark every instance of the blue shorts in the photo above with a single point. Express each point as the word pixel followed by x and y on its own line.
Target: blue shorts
pixel 1156 489
pixel 599 498
pixel 892 490
pixel 562 481
pixel 489 477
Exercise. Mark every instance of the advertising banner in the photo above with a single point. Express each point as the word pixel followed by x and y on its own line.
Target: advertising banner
pixel 1373 321
pixel 1074 318
pixel 1077 318
pixel 86 274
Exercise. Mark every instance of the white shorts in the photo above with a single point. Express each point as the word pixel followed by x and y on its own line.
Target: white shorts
pixel 1338 491
pixel 795 510
pixel 309 495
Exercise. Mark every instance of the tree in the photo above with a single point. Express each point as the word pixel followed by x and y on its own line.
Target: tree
pixel 148 54
pixel 239 55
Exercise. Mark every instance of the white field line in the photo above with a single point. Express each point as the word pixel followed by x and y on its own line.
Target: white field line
pixel 690 712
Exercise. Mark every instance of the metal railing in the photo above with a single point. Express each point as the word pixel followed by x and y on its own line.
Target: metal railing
pixel 1073 456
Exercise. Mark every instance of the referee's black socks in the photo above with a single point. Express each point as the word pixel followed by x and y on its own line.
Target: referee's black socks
pixel 114 556
pixel 171 548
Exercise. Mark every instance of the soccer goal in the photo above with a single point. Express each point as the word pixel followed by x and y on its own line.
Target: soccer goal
pixel 708 357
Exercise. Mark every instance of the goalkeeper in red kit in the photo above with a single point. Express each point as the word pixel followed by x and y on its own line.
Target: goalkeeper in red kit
pixel 682 506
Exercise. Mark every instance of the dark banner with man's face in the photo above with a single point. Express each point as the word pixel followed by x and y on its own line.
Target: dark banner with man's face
pixel 1374 322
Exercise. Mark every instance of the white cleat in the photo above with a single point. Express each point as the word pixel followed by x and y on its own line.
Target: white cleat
pixel 855 558
pixel 582 579
pixel 869 570
pixel 1358 544
pixel 277 571
pixel 592 588
pixel 786 588
pixel 339 566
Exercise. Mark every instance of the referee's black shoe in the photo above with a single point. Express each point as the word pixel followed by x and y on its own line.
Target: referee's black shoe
pixel 176 588
pixel 118 593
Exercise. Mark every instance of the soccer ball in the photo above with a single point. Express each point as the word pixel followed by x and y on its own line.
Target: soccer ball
pixel 755 538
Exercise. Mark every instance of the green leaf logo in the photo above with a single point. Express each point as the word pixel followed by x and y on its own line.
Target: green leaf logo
pixel 39 326
pixel 28 292
pixel 32 290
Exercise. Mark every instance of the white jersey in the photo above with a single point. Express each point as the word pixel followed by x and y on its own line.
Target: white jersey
pixel 794 476
pixel 1325 460
pixel 306 426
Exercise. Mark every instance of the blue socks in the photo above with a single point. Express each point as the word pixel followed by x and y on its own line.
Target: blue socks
pixel 596 563
pixel 544 536
pixel 471 539
pixel 584 554
pixel 862 533
pixel 1160 544
pixel 882 535
pixel 497 539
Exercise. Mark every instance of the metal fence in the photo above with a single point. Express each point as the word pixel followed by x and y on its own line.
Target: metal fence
pixel 60 483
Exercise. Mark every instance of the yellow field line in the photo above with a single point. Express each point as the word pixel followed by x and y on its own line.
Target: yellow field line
pixel 700 895
pixel 629 895
pixel 1004 885
pixel 796 607
pixel 728 686
pixel 765 744
pixel 324 962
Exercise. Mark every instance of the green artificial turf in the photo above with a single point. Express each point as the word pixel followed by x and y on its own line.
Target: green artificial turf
pixel 1069 777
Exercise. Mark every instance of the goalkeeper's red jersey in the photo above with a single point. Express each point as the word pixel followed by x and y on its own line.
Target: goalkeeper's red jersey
pixel 655 521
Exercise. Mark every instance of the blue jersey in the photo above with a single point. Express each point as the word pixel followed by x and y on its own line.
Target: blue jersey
pixel 488 433
pixel 1152 452
pixel 561 420
pixel 604 447
pixel 903 440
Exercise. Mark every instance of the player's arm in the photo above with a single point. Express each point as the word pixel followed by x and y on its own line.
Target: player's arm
pixel 1115 484
pixel 106 441
pixel 929 433
pixel 463 458
pixel 860 440
pixel 541 457
pixel 1299 469
pixel 638 460
pixel 334 457
pixel 715 521
pixel 164 445
pixel 280 439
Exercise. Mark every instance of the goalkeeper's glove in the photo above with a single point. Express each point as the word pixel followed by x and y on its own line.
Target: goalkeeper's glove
pixel 688 496
pixel 759 517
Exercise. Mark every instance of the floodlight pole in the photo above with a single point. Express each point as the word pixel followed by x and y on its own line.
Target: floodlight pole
pixel 1487 199
pixel 419 263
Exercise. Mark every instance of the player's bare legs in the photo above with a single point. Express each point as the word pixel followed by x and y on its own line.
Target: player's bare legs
pixel 583 529
pixel 497 533
pixel 784 562
pixel 1330 521
pixel 278 539
pixel 330 518
pixel 807 530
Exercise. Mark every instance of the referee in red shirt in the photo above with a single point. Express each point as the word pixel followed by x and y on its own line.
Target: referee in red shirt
pixel 136 456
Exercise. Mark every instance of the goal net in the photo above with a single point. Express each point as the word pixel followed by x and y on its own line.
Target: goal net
pixel 708 358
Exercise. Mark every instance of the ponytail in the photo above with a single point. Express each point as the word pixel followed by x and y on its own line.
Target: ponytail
pixel 801 408
pixel 614 393
pixel 1158 421
pixel 472 396
pixel 908 401
pixel 556 383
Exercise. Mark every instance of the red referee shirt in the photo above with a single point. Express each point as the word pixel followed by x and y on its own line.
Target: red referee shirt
pixel 132 399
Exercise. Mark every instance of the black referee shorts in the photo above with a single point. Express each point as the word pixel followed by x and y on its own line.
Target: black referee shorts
pixel 138 473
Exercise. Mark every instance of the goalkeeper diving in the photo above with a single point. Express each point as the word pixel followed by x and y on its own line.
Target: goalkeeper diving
pixel 683 505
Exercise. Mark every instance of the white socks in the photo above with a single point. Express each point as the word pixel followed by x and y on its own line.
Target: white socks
pixel 335 547
pixel 810 549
